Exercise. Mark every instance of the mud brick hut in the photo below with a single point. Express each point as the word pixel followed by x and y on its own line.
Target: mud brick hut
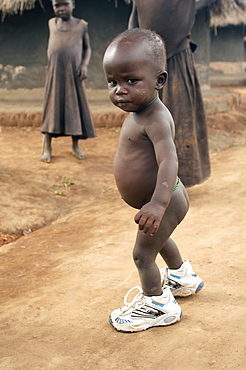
pixel 218 31
pixel 227 52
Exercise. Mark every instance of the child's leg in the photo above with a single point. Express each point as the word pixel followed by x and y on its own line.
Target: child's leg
pixel 147 247
pixel 145 251
pixel 75 148
pixel 171 255
pixel 46 156
pixel 153 305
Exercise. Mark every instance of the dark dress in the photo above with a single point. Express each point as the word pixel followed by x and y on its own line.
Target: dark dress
pixel 173 21
pixel 66 109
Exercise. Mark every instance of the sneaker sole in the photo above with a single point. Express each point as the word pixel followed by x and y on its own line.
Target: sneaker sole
pixel 187 291
pixel 171 319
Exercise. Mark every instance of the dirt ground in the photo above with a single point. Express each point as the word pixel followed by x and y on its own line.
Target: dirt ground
pixel 71 264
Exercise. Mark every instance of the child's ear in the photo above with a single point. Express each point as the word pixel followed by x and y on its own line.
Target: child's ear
pixel 161 80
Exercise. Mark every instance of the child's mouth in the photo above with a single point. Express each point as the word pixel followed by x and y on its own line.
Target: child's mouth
pixel 122 102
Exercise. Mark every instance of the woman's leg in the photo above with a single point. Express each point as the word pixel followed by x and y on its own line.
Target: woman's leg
pixel 46 156
pixel 75 148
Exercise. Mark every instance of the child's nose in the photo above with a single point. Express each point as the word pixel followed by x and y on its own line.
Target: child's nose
pixel 121 90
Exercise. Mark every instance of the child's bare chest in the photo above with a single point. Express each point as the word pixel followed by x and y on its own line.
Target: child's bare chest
pixel 135 146
pixel 133 136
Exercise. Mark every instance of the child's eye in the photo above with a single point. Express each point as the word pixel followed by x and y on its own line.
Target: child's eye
pixel 131 81
pixel 112 83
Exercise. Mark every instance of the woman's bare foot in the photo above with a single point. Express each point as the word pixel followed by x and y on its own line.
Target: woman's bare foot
pixel 75 148
pixel 78 154
pixel 46 157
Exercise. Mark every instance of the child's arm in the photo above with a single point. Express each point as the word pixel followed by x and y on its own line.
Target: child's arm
pixel 86 56
pixel 133 19
pixel 151 214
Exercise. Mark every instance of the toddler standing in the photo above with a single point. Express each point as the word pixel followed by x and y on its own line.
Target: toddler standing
pixel 145 169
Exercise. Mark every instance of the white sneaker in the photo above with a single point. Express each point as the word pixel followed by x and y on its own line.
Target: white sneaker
pixel 182 282
pixel 146 312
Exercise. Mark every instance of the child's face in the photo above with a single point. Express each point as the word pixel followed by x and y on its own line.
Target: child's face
pixel 132 76
pixel 63 8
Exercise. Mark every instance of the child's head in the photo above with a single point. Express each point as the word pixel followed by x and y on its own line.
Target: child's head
pixel 147 40
pixel 63 8
pixel 134 65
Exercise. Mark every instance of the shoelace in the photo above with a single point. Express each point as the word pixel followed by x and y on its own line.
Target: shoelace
pixel 136 301
pixel 164 275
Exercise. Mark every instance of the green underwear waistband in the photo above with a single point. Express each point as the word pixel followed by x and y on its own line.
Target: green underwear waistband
pixel 177 184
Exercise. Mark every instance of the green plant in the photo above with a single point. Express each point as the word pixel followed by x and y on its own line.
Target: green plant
pixel 67 182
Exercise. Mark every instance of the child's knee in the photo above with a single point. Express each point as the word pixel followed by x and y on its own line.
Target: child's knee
pixel 137 258
pixel 141 259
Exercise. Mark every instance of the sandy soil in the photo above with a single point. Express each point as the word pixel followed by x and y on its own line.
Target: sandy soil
pixel 72 265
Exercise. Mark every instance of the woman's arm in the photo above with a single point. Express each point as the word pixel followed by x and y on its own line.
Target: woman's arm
pixel 86 56
pixel 202 3
pixel 133 19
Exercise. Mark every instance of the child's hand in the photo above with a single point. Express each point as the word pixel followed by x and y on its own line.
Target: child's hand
pixel 82 72
pixel 149 217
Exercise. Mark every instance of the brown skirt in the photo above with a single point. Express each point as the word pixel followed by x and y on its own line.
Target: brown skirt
pixel 182 96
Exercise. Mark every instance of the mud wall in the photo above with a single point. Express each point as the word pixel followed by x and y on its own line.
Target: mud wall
pixel 227 49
